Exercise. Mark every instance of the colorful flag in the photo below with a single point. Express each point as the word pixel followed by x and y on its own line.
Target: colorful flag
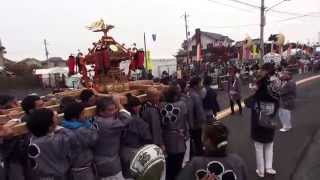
pixel 154 37
pixel 148 61
pixel 199 52
pixel 254 51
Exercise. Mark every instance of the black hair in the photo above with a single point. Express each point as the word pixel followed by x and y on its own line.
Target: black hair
pixel 65 101
pixel 218 134
pixel 269 67
pixel 29 103
pixel 195 81
pixel 263 93
pixel 183 84
pixel 4 99
pixel 103 103
pixel 207 81
pixel 85 95
pixel 73 111
pixel 172 94
pixel 40 121
pixel 132 102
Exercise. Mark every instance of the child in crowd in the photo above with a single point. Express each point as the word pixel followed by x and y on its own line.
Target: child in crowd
pixel 111 120
pixel 216 163
pixel 85 137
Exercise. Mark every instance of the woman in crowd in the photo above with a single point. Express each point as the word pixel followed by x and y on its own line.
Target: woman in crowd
pixel 264 108
pixel 216 163
pixel 287 101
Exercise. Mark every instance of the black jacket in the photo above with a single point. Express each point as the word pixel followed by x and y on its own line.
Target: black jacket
pixel 210 101
pixel 259 133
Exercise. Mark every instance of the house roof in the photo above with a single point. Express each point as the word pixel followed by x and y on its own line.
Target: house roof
pixel 215 36
pixel 54 60
pixel 255 41
pixel 30 60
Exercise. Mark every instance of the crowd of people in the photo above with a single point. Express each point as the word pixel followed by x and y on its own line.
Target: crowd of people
pixel 181 120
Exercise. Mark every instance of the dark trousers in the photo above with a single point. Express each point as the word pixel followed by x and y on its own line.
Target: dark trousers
pixel 232 105
pixel 24 170
pixel 196 143
pixel 174 165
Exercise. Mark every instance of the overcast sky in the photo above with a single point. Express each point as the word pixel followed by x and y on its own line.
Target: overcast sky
pixel 25 23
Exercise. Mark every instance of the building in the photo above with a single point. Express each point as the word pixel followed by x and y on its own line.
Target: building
pixel 30 62
pixel 53 62
pixel 213 46
pixel 2 52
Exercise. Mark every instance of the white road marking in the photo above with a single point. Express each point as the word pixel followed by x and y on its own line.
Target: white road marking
pixel 226 112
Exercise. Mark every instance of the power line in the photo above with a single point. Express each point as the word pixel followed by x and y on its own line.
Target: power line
pixel 291 13
pixel 228 5
pixel 268 9
pixel 282 20
pixel 235 26
pixel 298 17
pixel 246 4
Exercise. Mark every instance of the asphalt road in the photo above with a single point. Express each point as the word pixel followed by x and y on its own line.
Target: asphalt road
pixel 289 147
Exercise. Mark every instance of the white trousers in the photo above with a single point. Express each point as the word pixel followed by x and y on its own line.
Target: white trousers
pixel 285 118
pixel 264 156
pixel 186 157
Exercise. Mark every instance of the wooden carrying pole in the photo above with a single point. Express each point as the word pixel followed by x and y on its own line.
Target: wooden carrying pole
pixel 139 92
pixel 89 112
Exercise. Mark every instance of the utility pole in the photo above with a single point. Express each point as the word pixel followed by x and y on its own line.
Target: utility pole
pixel 262 24
pixel 187 35
pixel 46 48
pixel 145 49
